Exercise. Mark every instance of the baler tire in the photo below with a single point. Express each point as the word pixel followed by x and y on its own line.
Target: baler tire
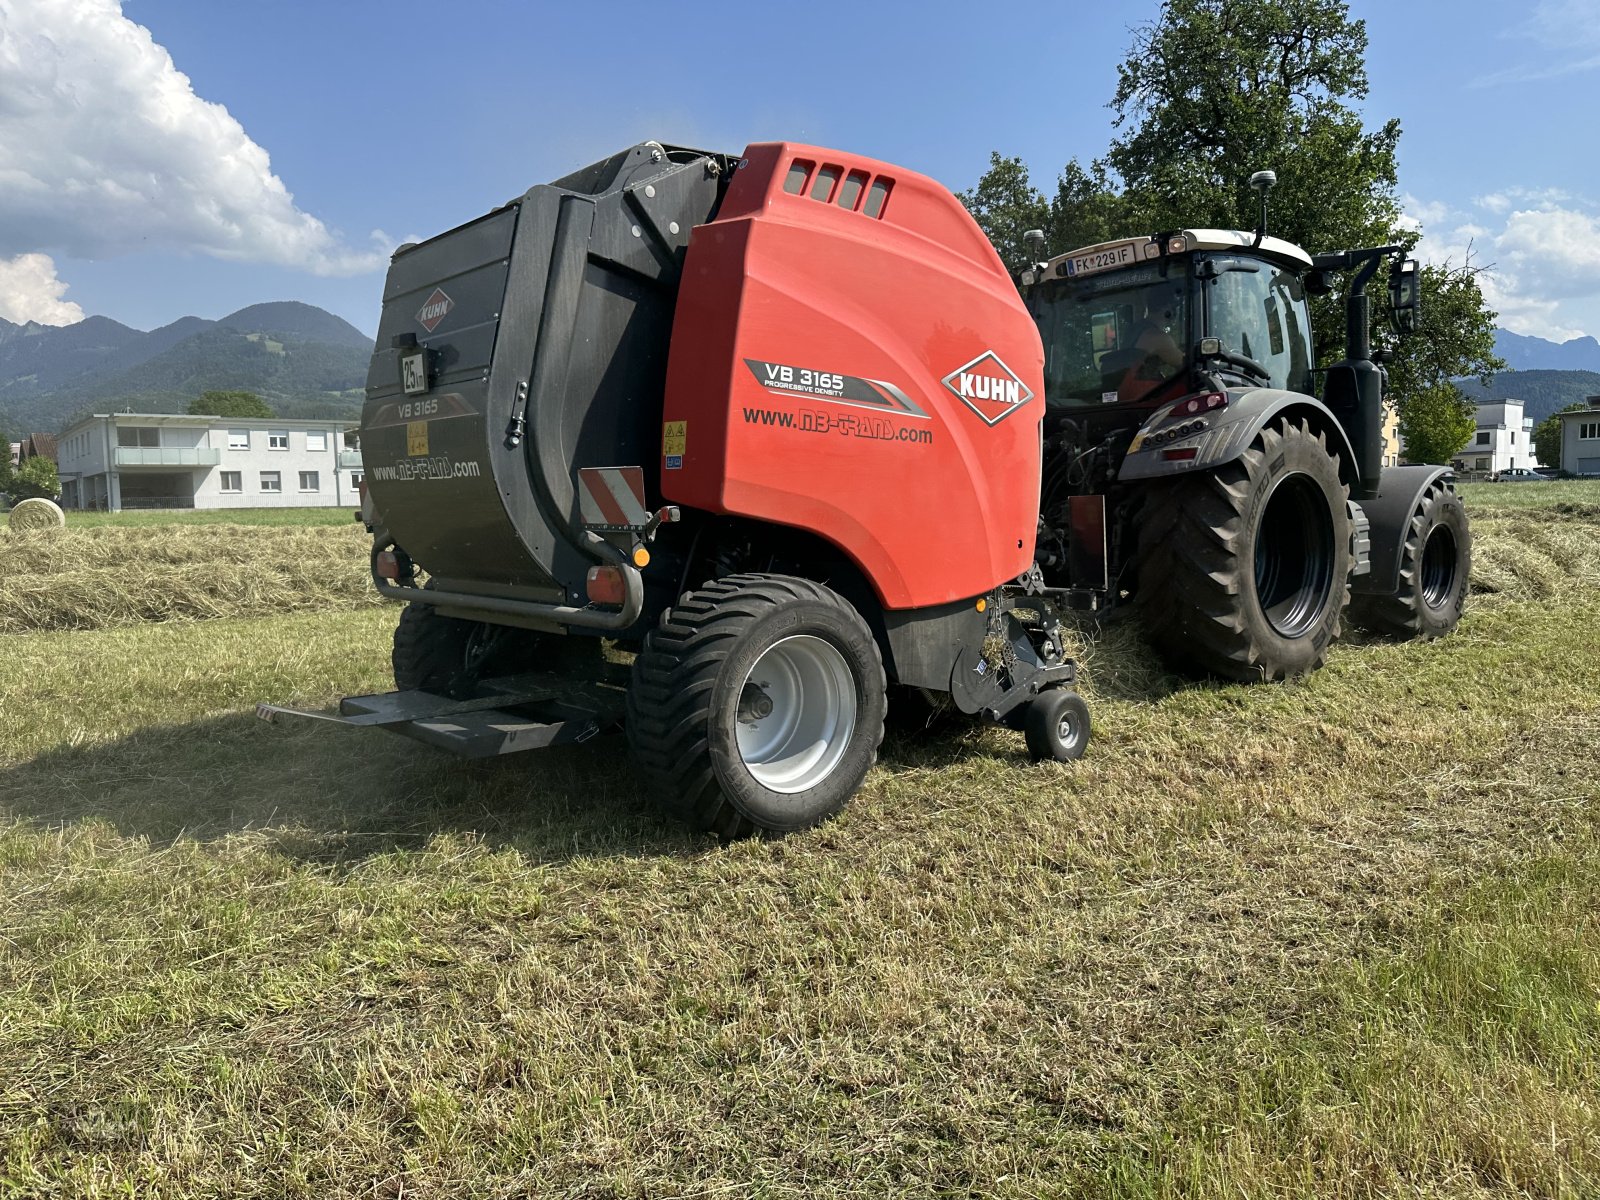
pixel 1203 560
pixel 434 653
pixel 1435 563
pixel 694 675
pixel 1056 726
pixel 429 649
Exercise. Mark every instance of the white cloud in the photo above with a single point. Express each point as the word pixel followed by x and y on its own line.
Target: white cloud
pixel 1541 260
pixel 105 149
pixel 30 291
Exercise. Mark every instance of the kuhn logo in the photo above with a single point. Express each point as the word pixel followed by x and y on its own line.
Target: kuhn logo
pixel 989 388
pixel 434 310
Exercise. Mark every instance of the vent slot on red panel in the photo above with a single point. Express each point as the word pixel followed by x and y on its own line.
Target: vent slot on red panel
pixel 854 193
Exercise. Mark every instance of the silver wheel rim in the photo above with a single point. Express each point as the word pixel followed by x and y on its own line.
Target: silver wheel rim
pixel 797 710
pixel 1066 729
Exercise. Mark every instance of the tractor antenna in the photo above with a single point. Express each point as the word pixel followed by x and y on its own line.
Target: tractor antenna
pixel 1263 182
pixel 1034 240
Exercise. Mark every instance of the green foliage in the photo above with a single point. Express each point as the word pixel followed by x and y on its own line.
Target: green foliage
pixel 1547 436
pixel 1436 423
pixel 1006 205
pixel 230 404
pixel 1214 90
pixel 36 477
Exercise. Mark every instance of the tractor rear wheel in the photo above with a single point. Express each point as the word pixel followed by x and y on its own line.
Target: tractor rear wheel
pixel 1244 571
pixel 1435 562
pixel 757 703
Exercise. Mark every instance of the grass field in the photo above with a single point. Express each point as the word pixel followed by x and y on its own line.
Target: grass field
pixel 214 516
pixel 1339 937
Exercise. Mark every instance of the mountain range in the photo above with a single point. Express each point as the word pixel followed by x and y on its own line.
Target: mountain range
pixel 306 362
pixel 301 359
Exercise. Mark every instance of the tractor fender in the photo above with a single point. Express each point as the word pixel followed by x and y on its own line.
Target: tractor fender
pixel 1220 435
pixel 1399 492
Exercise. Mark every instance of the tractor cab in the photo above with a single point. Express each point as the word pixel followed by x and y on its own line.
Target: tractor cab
pixel 1126 323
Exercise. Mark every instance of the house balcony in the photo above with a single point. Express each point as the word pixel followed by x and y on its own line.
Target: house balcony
pixel 350 460
pixel 167 456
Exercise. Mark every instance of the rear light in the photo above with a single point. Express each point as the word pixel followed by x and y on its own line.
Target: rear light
pixel 1181 454
pixel 1209 402
pixel 387 565
pixel 606 585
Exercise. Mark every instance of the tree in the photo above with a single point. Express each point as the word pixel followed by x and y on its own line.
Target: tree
pixel 36 477
pixel 230 404
pixel 1436 423
pixel 1547 436
pixel 1006 206
pixel 1214 90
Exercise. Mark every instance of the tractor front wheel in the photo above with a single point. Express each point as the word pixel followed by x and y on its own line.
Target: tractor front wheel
pixel 1435 562
pixel 757 703
pixel 1244 570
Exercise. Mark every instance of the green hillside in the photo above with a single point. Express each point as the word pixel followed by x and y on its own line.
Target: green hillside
pixel 1541 392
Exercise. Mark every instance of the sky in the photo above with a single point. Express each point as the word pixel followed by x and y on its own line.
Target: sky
pixel 166 158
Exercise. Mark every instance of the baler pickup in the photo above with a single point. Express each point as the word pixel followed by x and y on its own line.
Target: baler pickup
pixel 501 716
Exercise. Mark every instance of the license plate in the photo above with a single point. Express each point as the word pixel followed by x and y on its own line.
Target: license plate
pixel 1102 260
pixel 414 372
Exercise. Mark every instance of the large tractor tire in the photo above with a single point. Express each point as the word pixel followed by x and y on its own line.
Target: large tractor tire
pixel 1435 561
pixel 449 656
pixel 1244 571
pixel 757 703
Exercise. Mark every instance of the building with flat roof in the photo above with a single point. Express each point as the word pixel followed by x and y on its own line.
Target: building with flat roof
pixel 1503 439
pixel 118 461
pixel 1580 439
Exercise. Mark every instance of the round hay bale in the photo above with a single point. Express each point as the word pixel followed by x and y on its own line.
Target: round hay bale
pixel 36 513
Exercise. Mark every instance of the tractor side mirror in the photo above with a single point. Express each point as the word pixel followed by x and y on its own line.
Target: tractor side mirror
pixel 1318 283
pixel 1405 296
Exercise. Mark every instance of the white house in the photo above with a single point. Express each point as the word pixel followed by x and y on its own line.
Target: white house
pixel 1504 439
pixel 1580 439
pixel 158 460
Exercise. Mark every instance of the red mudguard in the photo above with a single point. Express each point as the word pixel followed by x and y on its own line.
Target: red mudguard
pixel 850 357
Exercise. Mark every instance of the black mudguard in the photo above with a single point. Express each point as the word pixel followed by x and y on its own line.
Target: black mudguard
pixel 1221 435
pixel 1399 492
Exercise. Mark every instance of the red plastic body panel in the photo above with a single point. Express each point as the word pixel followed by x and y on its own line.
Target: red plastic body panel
pixel 872 378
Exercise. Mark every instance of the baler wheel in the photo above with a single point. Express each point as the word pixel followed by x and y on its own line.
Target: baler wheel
pixel 1434 565
pixel 1056 726
pixel 448 655
pixel 1244 570
pixel 757 703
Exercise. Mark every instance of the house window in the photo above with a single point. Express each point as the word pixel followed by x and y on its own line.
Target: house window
pixel 271 481
pixel 238 439
pixel 309 481
pixel 232 481
pixel 1483 464
pixel 355 479
pixel 1589 430
pixel 1513 439
pixel 278 441
pixel 1483 437
pixel 138 436
pixel 316 441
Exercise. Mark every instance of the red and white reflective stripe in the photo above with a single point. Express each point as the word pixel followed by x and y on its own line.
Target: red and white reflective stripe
pixel 613 496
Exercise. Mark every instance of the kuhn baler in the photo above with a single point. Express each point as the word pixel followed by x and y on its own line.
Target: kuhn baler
pixel 770 423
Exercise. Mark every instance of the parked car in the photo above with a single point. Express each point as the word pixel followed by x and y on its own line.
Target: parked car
pixel 1520 475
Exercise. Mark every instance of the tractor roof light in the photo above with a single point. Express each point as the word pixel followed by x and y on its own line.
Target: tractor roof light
pixel 1177 245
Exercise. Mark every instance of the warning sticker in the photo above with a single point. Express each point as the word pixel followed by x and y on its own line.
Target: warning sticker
pixel 416 439
pixel 675 438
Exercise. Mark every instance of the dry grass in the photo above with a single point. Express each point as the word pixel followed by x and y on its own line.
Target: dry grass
pixel 1333 938
pixel 104 576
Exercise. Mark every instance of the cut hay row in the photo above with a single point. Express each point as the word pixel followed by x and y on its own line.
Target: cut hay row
pixel 98 578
